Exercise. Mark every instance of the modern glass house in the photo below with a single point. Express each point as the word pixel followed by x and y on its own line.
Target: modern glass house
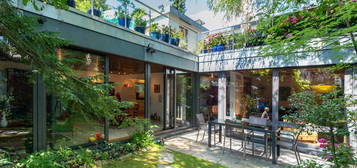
pixel 168 85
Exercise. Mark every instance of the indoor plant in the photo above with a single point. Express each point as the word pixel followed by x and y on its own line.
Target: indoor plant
pixel 5 107
pixel 140 22
pixel 175 37
pixel 155 31
pixel 123 12
pixel 165 33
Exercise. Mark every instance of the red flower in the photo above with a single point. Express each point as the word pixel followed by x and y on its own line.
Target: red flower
pixel 98 135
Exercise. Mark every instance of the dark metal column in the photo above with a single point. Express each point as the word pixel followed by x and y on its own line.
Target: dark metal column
pixel 39 115
pixel 174 98
pixel 106 80
pixel 147 90
pixel 275 113
pixel 165 98
pixel 195 97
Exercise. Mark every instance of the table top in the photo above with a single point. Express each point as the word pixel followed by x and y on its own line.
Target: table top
pixel 253 128
pixel 12 134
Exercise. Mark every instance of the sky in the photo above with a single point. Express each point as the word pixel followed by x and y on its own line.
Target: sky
pixel 196 9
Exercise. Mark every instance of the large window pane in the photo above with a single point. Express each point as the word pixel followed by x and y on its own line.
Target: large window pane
pixel 16 116
pixel 184 114
pixel 127 75
pixel 249 92
pixel 209 96
pixel 67 128
pixel 156 95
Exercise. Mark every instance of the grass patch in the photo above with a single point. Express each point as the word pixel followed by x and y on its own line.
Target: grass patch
pixel 151 158
pixel 144 159
pixel 187 161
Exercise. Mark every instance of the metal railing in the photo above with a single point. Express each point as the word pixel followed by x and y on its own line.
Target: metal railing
pixel 111 14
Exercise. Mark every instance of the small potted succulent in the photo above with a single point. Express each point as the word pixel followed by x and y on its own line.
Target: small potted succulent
pixel 165 33
pixel 155 31
pixel 140 22
pixel 175 37
pixel 123 10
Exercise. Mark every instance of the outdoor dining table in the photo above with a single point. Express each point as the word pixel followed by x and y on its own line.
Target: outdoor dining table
pixel 220 124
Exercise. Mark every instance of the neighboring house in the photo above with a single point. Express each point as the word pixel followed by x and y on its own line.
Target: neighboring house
pixel 192 30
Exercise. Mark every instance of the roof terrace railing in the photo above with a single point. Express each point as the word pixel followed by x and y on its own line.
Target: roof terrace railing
pixel 134 15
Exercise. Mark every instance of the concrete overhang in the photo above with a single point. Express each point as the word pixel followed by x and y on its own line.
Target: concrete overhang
pixel 90 32
pixel 249 58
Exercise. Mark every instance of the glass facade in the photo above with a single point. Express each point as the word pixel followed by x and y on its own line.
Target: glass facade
pixel 222 95
pixel 16 115
pixel 67 128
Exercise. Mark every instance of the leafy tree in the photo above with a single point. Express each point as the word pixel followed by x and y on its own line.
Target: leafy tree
pixel 37 48
pixel 326 112
pixel 292 26
pixel 180 5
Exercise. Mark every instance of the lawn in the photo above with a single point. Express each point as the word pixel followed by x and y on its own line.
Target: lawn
pixel 151 159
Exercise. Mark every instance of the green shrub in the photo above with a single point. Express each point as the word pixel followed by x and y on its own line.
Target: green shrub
pixel 62 158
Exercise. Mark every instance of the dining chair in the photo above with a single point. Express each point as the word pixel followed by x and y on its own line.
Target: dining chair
pixel 233 130
pixel 291 137
pixel 203 125
pixel 255 136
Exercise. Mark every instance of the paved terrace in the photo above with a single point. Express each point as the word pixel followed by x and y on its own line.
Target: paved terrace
pixel 186 143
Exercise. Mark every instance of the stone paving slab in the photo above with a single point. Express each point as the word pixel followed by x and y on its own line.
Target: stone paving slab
pixel 233 159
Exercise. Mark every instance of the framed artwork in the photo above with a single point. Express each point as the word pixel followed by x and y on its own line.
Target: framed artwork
pixel 140 91
pixel 156 88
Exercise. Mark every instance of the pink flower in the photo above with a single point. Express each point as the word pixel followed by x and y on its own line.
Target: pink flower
pixel 251 30
pixel 322 140
pixel 323 145
pixel 293 20
pixel 305 7
pixel 288 35
pixel 328 157
pixel 353 0
pixel 336 145
pixel 330 15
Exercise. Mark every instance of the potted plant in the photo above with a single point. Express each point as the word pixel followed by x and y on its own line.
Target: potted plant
pixel 98 6
pixel 155 31
pixel 123 10
pixel 218 42
pixel 71 3
pixel 140 22
pixel 5 108
pixel 165 33
pixel 175 37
